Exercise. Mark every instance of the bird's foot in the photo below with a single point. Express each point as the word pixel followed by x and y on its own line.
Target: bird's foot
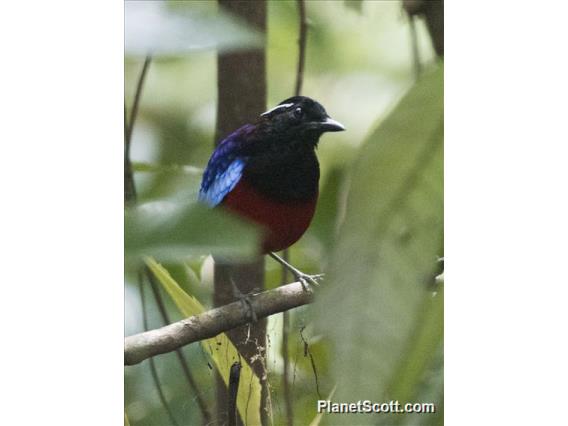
pixel 307 280
pixel 246 301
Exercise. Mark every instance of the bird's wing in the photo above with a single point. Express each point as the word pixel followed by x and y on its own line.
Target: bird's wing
pixel 215 187
pixel 224 170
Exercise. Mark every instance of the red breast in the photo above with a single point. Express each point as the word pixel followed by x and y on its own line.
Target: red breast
pixel 285 222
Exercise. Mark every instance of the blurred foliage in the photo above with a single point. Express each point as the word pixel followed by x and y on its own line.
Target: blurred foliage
pixel 172 231
pixel 152 28
pixel 358 66
pixel 355 5
pixel 388 326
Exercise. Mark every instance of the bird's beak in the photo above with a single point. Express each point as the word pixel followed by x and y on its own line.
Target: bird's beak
pixel 330 125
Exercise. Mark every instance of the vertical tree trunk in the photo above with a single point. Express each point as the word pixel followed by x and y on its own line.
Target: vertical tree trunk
pixel 241 98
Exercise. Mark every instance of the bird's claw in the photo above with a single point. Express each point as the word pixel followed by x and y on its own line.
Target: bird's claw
pixel 307 280
pixel 245 301
pixel 247 305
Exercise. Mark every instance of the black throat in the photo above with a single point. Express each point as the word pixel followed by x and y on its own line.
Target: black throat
pixel 285 175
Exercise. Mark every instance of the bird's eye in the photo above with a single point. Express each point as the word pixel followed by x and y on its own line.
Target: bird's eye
pixel 298 112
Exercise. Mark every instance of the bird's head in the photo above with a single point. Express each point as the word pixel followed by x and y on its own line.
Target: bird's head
pixel 298 119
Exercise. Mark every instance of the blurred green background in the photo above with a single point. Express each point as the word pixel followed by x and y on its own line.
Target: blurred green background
pixel 359 66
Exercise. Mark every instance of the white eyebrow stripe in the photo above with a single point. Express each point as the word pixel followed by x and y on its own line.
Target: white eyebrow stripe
pixel 277 107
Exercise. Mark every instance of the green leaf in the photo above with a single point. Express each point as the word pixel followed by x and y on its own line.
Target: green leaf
pixel 222 352
pixel 385 326
pixel 152 28
pixel 172 231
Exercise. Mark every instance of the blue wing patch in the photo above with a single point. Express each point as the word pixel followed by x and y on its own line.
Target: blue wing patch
pixel 217 183
pixel 225 167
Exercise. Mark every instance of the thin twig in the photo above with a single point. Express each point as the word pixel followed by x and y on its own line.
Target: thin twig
pixel 211 323
pixel 182 361
pixel 414 46
pixel 302 41
pixel 308 352
pixel 136 103
pixel 129 188
pixel 126 131
pixel 153 369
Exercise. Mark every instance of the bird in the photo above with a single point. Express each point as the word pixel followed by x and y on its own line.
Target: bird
pixel 267 172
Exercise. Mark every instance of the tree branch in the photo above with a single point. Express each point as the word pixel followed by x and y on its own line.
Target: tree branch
pixel 141 346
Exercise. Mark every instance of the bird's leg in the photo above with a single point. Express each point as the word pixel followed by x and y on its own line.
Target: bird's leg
pixel 304 279
pixel 245 300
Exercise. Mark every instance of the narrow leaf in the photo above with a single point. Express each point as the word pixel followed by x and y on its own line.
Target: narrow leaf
pixel 221 350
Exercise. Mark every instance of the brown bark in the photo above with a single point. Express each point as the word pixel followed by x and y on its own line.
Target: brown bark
pixel 241 98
